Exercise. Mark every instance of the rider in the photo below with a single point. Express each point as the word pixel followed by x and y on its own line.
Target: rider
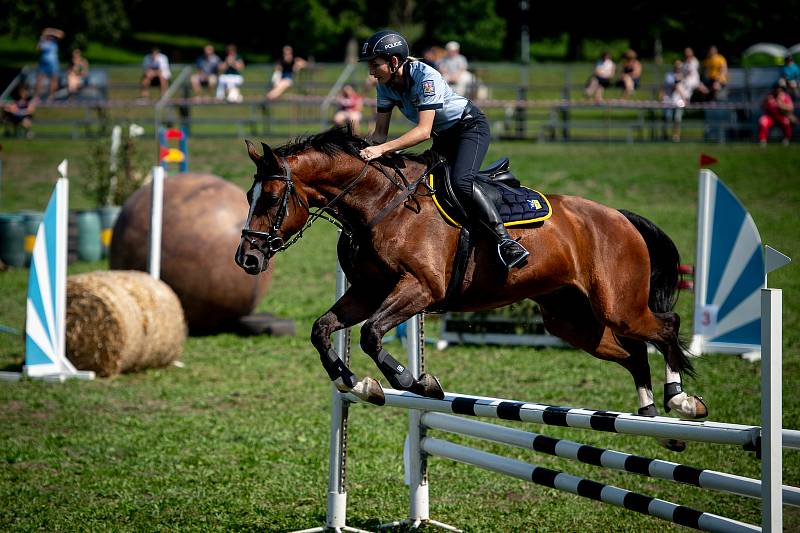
pixel 460 130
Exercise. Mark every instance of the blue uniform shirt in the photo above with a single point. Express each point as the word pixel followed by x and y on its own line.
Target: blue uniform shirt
pixel 424 89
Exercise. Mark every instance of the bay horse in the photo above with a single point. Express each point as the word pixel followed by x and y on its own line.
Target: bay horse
pixel 605 280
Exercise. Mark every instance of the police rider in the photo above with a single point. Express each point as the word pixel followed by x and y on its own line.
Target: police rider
pixel 460 130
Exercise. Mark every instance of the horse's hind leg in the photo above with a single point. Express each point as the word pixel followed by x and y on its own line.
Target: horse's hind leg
pixel 569 315
pixel 670 345
pixel 571 318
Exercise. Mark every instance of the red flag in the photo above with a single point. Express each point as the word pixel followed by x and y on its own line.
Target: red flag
pixel 707 160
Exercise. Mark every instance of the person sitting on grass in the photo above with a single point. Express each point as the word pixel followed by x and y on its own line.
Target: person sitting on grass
pixel 155 72
pixel 207 70
pixel 631 72
pixel 285 69
pixel 20 111
pixel 77 73
pixel 350 105
pixel 601 77
pixel 230 76
pixel 778 111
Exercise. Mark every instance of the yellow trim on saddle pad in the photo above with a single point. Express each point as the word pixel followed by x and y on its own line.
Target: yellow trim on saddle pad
pixel 514 223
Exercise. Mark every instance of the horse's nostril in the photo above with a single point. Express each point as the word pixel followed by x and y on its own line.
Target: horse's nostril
pixel 250 261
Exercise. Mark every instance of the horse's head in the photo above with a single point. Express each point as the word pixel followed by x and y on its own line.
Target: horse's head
pixel 269 221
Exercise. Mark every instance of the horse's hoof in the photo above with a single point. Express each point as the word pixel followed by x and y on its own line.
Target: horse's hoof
pixel 691 407
pixel 369 390
pixel 700 407
pixel 428 386
pixel 672 444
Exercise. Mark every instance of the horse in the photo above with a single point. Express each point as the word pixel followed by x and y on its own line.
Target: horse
pixel 605 279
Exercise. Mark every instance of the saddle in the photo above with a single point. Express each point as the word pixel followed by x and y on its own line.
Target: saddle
pixel 517 205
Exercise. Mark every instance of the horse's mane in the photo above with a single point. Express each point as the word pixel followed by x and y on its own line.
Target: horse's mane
pixel 339 139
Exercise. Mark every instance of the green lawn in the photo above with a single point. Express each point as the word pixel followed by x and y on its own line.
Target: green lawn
pixel 238 439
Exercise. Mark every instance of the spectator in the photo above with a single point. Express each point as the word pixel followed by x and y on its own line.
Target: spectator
pixel 350 104
pixel 207 70
pixel 155 71
pixel 778 111
pixel 453 67
pixel 433 55
pixel 690 70
pixel 675 94
pixel 790 74
pixel 48 61
pixel 715 75
pixel 601 77
pixel 230 76
pixel 20 111
pixel 631 72
pixel 77 73
pixel 285 69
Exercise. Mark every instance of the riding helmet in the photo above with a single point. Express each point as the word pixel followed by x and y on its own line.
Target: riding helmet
pixel 384 43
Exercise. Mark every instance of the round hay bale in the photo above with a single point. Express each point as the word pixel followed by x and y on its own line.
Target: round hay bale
pixel 104 325
pixel 122 322
pixel 202 222
pixel 162 318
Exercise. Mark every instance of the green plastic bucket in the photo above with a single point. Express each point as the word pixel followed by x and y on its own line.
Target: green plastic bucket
pixel 108 217
pixel 89 227
pixel 31 221
pixel 12 240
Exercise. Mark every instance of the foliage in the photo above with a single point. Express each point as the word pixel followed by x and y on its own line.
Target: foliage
pixel 95 20
pixel 110 179
pixel 487 29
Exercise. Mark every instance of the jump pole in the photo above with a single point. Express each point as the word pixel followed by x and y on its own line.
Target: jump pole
pixel 609 421
pixel 771 396
pixel 616 460
pixel 586 488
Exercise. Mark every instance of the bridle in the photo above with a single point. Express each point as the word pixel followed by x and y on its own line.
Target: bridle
pixel 271 242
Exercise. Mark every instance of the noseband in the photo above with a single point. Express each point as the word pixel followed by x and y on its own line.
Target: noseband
pixel 272 243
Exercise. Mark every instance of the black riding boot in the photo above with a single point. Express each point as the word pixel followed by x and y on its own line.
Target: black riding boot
pixel 511 253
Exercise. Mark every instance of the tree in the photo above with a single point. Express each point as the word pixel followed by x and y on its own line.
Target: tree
pixel 84 21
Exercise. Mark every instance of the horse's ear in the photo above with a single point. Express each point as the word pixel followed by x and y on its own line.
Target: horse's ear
pixel 254 155
pixel 269 158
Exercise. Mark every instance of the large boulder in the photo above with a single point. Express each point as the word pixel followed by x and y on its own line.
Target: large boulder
pixel 202 220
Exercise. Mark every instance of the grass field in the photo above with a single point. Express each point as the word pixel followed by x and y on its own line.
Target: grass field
pixel 237 440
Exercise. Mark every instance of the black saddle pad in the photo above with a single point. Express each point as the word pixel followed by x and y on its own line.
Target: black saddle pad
pixel 516 204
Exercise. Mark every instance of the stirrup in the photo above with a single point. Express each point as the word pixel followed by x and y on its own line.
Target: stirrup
pixel 519 261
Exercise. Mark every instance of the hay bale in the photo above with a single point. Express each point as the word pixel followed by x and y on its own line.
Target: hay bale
pixel 122 321
pixel 202 223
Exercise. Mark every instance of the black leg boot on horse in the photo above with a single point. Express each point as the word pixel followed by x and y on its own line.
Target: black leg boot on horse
pixel 511 252
pixel 401 378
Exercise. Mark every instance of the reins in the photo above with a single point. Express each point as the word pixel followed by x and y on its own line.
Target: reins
pixel 272 243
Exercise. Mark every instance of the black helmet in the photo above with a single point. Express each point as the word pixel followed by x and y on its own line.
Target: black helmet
pixel 384 43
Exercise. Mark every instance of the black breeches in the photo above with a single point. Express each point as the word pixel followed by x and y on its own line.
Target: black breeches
pixel 464 146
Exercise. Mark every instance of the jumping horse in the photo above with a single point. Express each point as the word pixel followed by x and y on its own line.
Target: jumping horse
pixel 605 280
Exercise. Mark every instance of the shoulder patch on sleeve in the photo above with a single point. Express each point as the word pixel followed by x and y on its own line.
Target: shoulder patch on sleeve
pixel 428 88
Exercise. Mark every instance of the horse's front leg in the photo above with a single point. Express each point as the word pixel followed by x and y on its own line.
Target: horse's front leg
pixel 353 307
pixel 407 299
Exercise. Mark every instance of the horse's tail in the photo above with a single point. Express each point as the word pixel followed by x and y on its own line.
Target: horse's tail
pixel 664 277
pixel 664 263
